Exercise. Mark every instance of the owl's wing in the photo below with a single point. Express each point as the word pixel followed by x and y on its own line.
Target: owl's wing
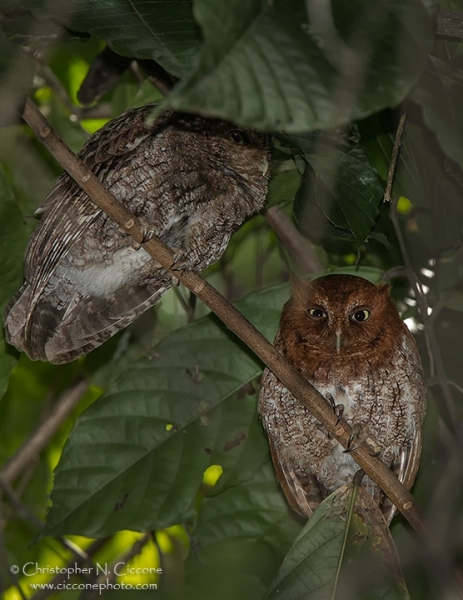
pixel 42 306
pixel 405 468
pixel 89 320
pixel 303 497
pixel 69 214
pixel 410 461
pixel 301 489
pixel 68 211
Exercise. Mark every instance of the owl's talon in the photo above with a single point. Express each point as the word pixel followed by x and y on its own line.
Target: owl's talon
pixel 148 234
pixel 180 261
pixel 355 433
pixel 338 409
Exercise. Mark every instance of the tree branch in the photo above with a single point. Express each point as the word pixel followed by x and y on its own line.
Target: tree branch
pixel 301 250
pixel 41 436
pixel 74 562
pixel 133 551
pixel 394 157
pixel 234 320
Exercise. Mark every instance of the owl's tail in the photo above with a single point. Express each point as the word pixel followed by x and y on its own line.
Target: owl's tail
pixel 15 317
pixel 47 333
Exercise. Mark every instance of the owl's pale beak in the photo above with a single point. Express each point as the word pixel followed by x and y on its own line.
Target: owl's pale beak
pixel 338 342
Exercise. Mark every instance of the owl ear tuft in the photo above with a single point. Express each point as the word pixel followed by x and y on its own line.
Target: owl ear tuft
pixel 301 288
pixel 384 288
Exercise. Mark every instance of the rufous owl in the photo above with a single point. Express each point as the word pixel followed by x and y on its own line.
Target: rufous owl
pixel 345 336
pixel 192 181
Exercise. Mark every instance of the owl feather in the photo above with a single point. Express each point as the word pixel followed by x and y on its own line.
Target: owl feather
pixel 191 181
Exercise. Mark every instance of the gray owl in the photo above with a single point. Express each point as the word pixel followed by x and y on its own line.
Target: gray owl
pixel 190 180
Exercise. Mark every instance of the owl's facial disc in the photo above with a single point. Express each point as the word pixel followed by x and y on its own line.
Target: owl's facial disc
pixel 339 315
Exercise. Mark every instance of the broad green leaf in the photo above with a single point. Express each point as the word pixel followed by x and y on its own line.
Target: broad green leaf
pixel 340 193
pixel 345 552
pixel 165 32
pixel 16 73
pixel 373 274
pixel 283 186
pixel 454 300
pixel 242 534
pixel 287 65
pixel 136 458
pixel 244 446
pixel 13 238
pixel 433 189
pixel 440 94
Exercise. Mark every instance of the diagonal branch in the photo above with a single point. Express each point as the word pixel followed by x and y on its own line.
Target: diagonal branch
pixel 301 250
pixel 42 435
pixel 234 320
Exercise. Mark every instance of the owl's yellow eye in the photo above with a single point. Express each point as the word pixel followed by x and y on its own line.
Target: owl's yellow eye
pixel 361 315
pixel 316 313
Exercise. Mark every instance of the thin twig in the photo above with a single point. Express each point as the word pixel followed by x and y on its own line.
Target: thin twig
pixel 394 156
pixel 455 385
pixel 41 436
pixel 73 563
pixel 21 509
pixel 301 250
pixel 133 551
pixel 435 356
pixel 6 566
pixel 25 513
pixel 234 320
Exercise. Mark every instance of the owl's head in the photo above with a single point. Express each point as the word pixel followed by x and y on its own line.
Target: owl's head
pixel 234 159
pixel 339 314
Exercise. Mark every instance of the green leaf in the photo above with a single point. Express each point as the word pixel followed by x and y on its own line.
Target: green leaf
pixel 345 551
pixel 286 65
pixel 241 447
pixel 373 274
pixel 243 532
pixel 340 193
pixel 433 189
pixel 454 300
pixel 16 72
pixel 136 457
pixel 165 32
pixel 283 186
pixel 440 93
pixel 13 238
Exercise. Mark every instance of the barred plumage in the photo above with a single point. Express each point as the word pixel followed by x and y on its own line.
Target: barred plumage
pixel 191 180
